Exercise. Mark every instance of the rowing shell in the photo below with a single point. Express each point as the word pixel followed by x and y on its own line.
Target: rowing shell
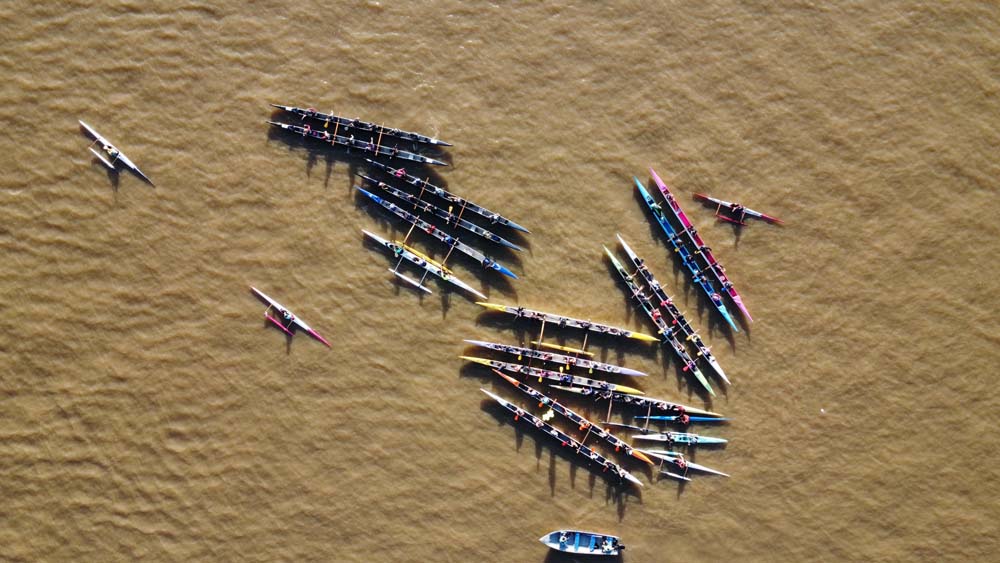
pixel 117 155
pixel 424 185
pixel 329 118
pixel 567 321
pixel 686 257
pixel 289 317
pixel 701 248
pixel 736 208
pixel 553 375
pixel 568 361
pixel 564 438
pixel 657 318
pixel 405 252
pixel 648 403
pixel 449 217
pixel 439 234
pixel 585 424
pixel 350 142
pixel 667 304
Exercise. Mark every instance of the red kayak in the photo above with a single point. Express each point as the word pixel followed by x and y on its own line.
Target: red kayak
pixel 736 210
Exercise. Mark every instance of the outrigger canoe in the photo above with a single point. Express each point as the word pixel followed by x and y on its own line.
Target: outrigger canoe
pixel 667 304
pixel 425 186
pixel 648 403
pixel 686 257
pixel 433 231
pixel 736 208
pixel 288 317
pixel 666 331
pixel 568 361
pixel 680 438
pixel 553 375
pixel 565 439
pixel 348 124
pixel 413 256
pixel 582 543
pixel 701 248
pixel 585 424
pixel 557 320
pixel 368 146
pixel 451 219
pixel 112 152
pixel 677 459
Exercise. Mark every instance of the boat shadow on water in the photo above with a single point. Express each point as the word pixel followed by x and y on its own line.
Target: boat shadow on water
pixel 316 153
pixel 396 229
pixel 554 556
pixel 615 491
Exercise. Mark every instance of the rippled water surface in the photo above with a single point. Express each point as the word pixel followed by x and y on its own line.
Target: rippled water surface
pixel 147 410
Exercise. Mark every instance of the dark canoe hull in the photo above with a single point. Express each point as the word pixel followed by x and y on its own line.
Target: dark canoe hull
pixel 368 147
pixel 424 185
pixel 357 124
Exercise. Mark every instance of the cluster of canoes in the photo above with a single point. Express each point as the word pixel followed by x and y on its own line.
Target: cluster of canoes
pixel 456 222
pixel 453 220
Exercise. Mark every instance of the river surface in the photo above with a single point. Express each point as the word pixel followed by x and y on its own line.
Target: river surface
pixel 148 411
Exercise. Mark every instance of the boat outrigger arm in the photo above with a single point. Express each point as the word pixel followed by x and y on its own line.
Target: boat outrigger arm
pixel 116 155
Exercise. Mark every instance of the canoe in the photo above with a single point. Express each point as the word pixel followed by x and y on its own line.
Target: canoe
pixel 680 438
pixel 701 249
pixel 565 439
pixel 568 361
pixel 288 318
pixel 677 459
pixel 113 152
pixel 433 231
pixel 666 303
pixel 686 257
pixel 348 124
pixel 590 427
pixel 583 543
pixel 553 375
pixel 369 146
pixel 430 266
pixel 648 403
pixel 557 320
pixel 425 186
pixel 736 208
pixel 665 330
pixel 451 219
